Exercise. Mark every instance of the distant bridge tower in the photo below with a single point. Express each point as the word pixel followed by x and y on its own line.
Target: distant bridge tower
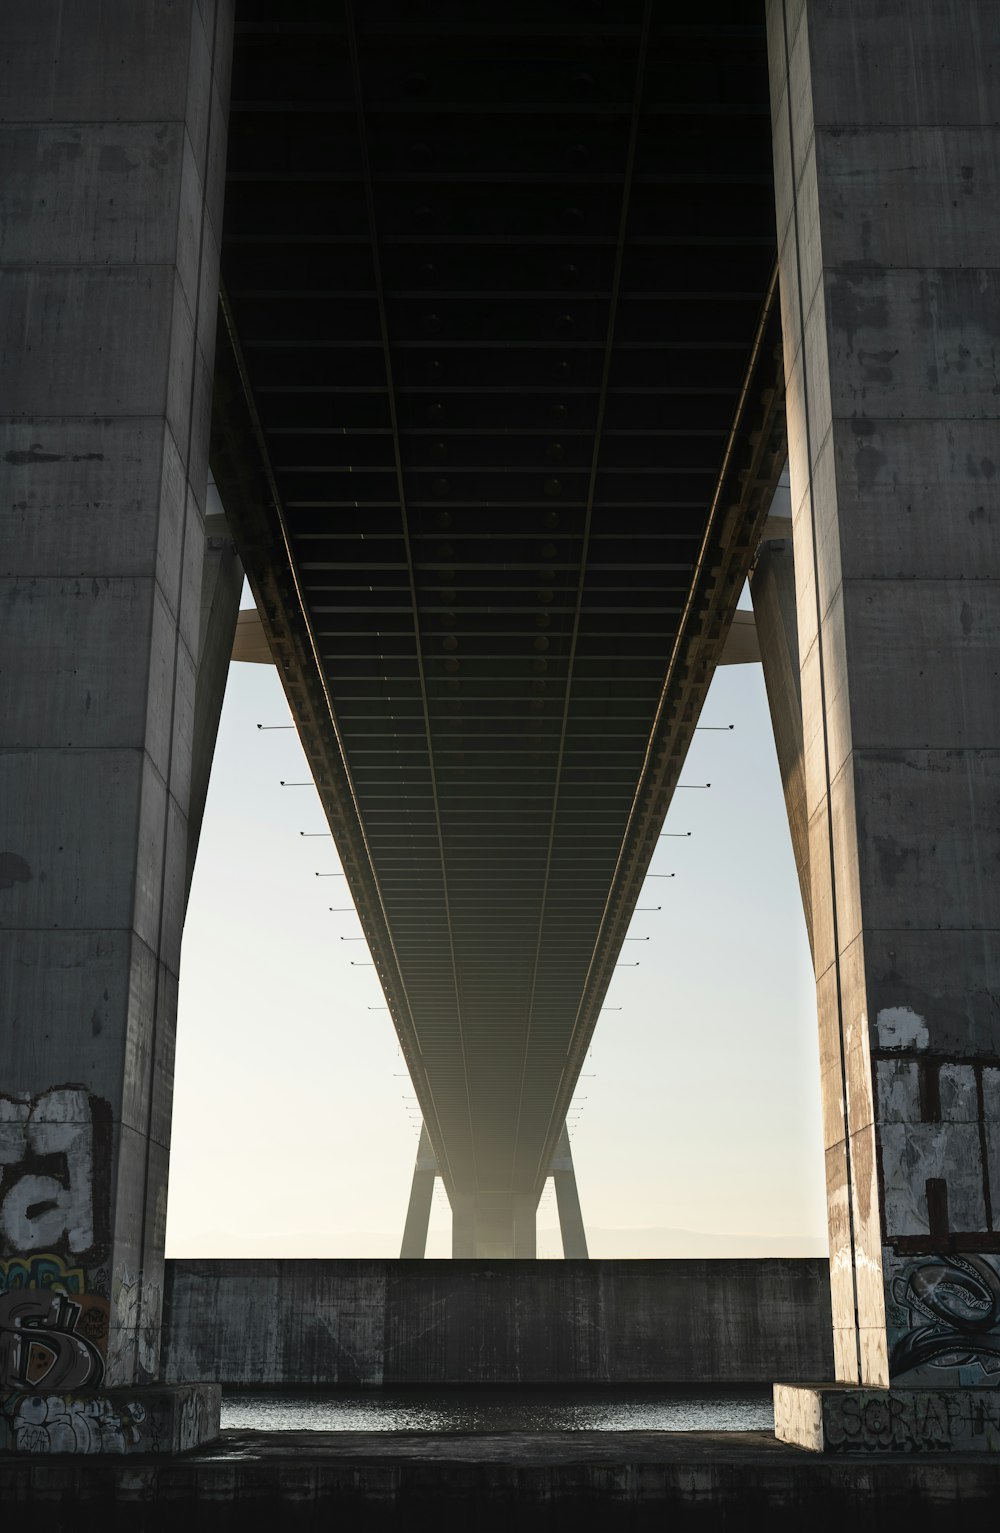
pixel 468 1238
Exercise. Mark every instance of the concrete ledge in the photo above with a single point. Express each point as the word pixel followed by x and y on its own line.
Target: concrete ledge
pixel 561 1480
pixel 841 1418
pixel 378 1322
pixel 161 1418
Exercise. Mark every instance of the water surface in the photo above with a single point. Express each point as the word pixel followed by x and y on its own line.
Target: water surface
pixel 501 1410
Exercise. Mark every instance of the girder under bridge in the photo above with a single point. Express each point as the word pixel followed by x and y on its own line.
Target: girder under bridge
pixel 498 419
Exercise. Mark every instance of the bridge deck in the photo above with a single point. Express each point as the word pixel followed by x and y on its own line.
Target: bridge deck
pixel 499 293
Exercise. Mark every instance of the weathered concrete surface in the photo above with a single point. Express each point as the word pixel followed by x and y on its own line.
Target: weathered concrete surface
pixel 221 586
pixel 841 1418
pixel 886 125
pixel 772 586
pixel 164 1418
pixel 567 1480
pixel 113 142
pixel 445 1322
pixel 742 645
pixel 772 589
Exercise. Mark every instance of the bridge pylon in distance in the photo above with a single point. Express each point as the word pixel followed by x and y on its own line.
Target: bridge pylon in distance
pixel 501 1227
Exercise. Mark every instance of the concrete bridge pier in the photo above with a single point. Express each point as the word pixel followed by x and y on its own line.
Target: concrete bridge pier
pixel 772 587
pixel 221 588
pixel 114 146
pixel 891 317
pixel 493 1225
pixel 571 1227
pixel 418 1212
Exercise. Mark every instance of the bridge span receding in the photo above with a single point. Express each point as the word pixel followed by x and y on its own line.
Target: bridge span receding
pixel 495 409
pixel 500 419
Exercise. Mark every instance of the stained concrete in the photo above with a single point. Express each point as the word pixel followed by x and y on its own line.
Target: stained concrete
pixel 840 1418
pixel 886 152
pixel 159 1418
pixel 114 140
pixel 772 588
pixel 221 587
pixel 566 1480
pixel 376 1322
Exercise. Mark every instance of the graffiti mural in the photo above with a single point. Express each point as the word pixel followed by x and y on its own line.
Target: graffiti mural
pixel 136 1305
pixel 42 1345
pixel 54 1424
pixel 874 1421
pixel 944 1314
pixel 45 1271
pixel 54 1303
pixel 49 1166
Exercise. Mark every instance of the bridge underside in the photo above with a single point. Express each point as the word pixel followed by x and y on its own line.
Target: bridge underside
pixel 498 419
pixel 496 623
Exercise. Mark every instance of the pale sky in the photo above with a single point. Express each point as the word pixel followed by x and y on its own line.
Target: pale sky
pixel 292 1130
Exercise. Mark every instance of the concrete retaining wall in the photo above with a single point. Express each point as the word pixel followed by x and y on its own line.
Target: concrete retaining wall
pixel 371 1322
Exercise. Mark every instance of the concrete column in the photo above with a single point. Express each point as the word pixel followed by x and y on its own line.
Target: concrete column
pixel 574 1236
pixel 493 1225
pixel 463 1233
pixel 113 143
pixel 525 1227
pixel 418 1212
pixel 887 165
pixel 772 587
pixel 221 586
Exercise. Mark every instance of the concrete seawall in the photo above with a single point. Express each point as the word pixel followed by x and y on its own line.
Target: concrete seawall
pixel 375 1322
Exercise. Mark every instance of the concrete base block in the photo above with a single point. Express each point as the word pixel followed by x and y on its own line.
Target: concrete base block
pixel 158 1418
pixel 844 1418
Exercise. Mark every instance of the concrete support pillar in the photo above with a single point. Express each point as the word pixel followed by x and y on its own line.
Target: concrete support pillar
pixel 113 143
pixel 221 586
pixel 525 1227
pixel 505 1224
pixel 496 1225
pixel 772 587
pixel 887 230
pixel 418 1212
pixel 574 1236
pixel 463 1227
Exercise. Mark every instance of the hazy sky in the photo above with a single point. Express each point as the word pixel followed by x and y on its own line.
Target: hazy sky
pixel 292 1129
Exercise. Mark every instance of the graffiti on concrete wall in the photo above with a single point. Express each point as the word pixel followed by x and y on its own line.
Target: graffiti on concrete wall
pixel 50 1166
pixel 937 1133
pixel 136 1306
pixel 944 1314
pixel 54 1303
pixel 42 1345
pixel 44 1271
pixel 55 1424
pixel 869 1421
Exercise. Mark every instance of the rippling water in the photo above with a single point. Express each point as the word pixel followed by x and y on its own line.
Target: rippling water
pixel 501 1410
